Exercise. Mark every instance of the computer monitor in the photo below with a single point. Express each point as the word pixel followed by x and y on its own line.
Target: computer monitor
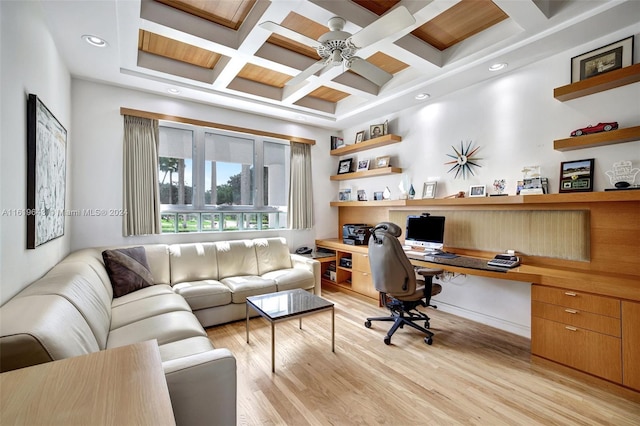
pixel 425 231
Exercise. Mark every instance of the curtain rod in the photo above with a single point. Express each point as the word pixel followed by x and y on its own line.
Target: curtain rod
pixel 174 118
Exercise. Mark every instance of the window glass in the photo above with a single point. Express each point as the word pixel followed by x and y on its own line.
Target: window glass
pixel 176 166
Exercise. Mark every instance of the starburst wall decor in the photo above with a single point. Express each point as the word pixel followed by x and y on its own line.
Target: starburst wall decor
pixel 463 160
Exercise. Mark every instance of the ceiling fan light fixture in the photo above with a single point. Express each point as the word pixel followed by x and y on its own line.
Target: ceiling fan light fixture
pixel 498 66
pixel 95 40
pixel 422 96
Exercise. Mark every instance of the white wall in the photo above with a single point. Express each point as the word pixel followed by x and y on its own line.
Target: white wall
pixel 30 64
pixel 514 119
pixel 97 163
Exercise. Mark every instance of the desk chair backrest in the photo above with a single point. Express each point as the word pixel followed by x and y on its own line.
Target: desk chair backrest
pixel 390 268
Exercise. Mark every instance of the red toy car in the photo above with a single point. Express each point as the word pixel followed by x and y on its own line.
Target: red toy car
pixel 600 127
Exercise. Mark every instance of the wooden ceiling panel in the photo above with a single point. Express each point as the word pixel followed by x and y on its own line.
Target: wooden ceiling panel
pixel 460 22
pixel 264 75
pixel 304 26
pixel 328 94
pixel 379 7
pixel 387 63
pixel 229 13
pixel 173 49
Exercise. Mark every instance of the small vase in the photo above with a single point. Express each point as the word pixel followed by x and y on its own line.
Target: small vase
pixel 412 192
pixel 386 195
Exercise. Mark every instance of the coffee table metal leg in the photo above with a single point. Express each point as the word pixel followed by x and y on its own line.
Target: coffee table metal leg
pixel 333 329
pixel 273 347
pixel 300 323
pixel 247 322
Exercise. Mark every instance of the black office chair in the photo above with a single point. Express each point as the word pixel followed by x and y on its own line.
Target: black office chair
pixel 395 278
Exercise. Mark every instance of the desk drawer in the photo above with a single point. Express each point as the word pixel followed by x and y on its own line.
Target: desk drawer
pixel 594 353
pixel 362 283
pixel 574 317
pixel 577 300
pixel 361 262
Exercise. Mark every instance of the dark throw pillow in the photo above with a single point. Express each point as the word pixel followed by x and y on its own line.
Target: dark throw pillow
pixel 128 269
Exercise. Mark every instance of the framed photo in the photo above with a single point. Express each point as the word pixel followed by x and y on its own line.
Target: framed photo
pixel 599 61
pixel 345 166
pixel 362 195
pixel 477 191
pixel 336 142
pixel 385 128
pixel 46 174
pixel 378 196
pixel 344 194
pixel 382 162
pixel 363 165
pixel 360 136
pixel 576 176
pixel 376 131
pixel 429 190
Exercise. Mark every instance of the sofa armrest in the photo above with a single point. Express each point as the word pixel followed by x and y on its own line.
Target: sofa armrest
pixel 310 265
pixel 202 388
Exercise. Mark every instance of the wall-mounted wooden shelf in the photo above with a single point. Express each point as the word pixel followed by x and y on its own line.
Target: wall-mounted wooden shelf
pixel 600 83
pixel 579 197
pixel 369 144
pixel 367 173
pixel 628 134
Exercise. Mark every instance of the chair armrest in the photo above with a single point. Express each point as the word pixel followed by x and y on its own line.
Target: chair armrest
pixel 426 272
pixel 203 387
pixel 310 265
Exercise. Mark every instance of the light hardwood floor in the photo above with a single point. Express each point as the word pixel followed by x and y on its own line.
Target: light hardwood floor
pixel 472 374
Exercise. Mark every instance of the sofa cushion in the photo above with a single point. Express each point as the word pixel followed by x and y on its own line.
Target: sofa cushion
pixel 272 254
pixel 185 347
pixel 289 279
pixel 147 307
pixel 204 294
pixel 193 262
pixel 153 290
pixel 165 328
pixel 250 285
pixel 236 258
pixel 128 269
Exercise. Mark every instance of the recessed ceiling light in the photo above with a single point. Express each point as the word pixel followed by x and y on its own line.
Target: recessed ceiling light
pixel 173 91
pixel 422 96
pixel 498 66
pixel 94 40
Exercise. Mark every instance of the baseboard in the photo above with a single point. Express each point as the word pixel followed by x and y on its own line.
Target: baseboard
pixel 482 318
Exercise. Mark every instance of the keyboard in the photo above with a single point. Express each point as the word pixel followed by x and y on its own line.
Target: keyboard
pixel 504 261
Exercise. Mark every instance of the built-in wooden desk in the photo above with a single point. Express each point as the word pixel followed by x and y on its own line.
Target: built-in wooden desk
pixel 118 386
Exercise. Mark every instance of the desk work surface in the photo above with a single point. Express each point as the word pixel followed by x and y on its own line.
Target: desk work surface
pixel 124 385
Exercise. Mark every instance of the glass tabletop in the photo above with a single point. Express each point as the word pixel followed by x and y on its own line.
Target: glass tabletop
pixel 288 303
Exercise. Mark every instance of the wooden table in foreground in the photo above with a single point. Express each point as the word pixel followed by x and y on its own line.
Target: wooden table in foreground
pixel 118 386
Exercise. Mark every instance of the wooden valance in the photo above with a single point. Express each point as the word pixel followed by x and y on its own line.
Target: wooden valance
pixel 177 119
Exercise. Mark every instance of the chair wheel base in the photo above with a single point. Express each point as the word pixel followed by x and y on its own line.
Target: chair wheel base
pixel 387 340
pixel 367 324
pixel 428 341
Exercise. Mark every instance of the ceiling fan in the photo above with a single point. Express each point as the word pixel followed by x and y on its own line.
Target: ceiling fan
pixel 339 47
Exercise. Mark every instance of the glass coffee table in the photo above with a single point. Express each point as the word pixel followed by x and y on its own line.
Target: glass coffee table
pixel 286 305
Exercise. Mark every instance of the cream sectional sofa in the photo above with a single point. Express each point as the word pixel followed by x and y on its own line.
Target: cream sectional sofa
pixel 71 311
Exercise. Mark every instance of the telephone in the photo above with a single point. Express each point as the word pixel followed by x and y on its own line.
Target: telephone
pixel 504 261
pixel 303 250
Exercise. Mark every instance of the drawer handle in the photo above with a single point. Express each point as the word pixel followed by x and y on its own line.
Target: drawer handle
pixel 571 328
pixel 571 311
pixel 365 274
pixel 570 293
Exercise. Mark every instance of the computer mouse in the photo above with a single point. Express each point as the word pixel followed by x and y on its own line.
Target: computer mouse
pixel 622 184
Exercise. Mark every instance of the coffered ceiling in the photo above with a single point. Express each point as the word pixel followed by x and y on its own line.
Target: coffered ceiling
pixel 217 51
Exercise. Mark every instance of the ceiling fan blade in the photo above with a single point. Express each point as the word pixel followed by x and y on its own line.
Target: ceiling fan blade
pixel 290 34
pixel 369 71
pixel 306 73
pixel 396 20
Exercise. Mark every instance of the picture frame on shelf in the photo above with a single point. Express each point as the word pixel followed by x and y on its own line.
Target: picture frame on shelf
pixel 429 190
pixel 382 162
pixel 385 127
pixel 359 136
pixel 378 196
pixel 362 195
pixel 344 166
pixel 577 175
pixel 336 142
pixel 477 191
pixel 602 60
pixel 363 165
pixel 376 130
pixel 344 194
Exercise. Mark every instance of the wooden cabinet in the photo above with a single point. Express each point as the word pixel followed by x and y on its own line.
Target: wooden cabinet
pixel 631 344
pixel 357 277
pixel 579 330
pixel 361 280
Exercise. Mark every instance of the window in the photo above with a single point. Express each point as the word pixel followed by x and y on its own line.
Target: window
pixel 212 180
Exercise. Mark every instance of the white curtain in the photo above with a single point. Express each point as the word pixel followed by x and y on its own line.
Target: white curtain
pixel 300 215
pixel 141 199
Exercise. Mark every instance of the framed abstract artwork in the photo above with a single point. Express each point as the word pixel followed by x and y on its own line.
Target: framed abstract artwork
pixel 46 174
